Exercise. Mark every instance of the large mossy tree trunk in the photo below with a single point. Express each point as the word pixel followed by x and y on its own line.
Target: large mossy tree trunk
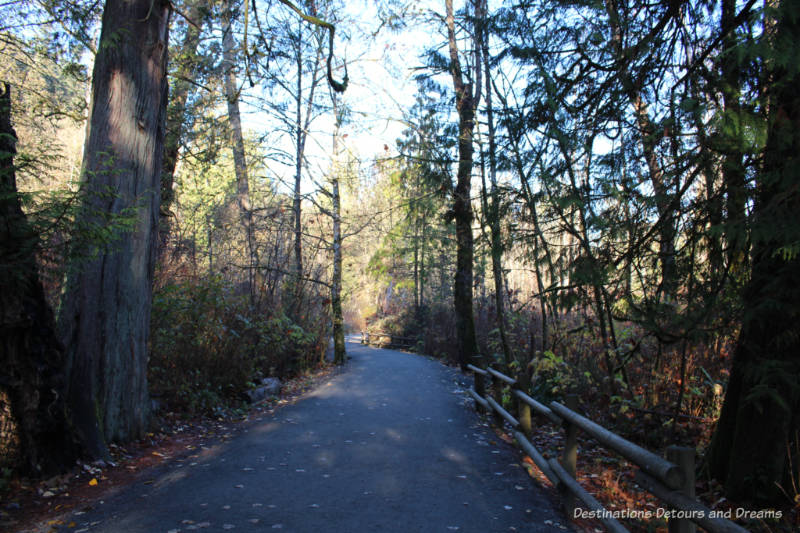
pixel 467 98
pixel 105 314
pixel 759 426
pixel 31 357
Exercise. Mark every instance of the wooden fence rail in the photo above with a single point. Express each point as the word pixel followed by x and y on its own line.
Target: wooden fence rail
pixel 384 339
pixel 669 479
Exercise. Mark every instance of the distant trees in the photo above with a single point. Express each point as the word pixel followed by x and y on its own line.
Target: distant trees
pixel 295 101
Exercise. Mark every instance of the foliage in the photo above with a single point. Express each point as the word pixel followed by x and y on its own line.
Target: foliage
pixel 209 346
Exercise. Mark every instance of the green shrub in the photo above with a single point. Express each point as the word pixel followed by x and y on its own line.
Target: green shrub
pixel 208 345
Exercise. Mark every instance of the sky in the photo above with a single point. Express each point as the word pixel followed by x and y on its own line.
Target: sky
pixel 381 87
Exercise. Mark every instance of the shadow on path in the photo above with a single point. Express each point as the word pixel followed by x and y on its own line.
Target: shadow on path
pixel 388 445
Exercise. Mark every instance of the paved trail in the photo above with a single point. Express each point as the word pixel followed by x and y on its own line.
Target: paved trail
pixel 388 445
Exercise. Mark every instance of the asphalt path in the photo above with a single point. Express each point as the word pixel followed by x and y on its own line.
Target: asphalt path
pixel 390 444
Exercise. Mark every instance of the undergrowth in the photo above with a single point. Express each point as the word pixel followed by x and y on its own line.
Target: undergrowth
pixel 210 344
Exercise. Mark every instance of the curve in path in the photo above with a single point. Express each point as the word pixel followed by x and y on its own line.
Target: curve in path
pixel 388 445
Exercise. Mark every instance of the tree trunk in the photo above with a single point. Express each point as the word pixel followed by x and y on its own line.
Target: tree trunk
pixel 300 142
pixel 176 112
pixel 336 283
pixel 493 214
pixel 31 357
pixel 302 124
pixel 298 162
pixel 415 241
pixel 760 421
pixel 467 98
pixel 237 142
pixel 105 315
pixel 422 271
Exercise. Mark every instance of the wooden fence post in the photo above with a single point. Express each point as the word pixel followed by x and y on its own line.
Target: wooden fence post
pixel 684 458
pixel 523 409
pixel 497 394
pixel 479 381
pixel 569 459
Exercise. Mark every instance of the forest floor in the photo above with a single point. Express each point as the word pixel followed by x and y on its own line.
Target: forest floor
pixel 387 444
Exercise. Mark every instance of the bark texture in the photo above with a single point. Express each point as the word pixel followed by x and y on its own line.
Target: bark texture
pixel 339 351
pixel 467 98
pixel 31 357
pixel 105 314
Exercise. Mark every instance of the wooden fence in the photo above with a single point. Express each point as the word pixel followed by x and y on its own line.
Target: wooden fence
pixel 387 340
pixel 670 479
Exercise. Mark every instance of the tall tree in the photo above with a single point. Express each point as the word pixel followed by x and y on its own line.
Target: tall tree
pixel 232 93
pixel 105 315
pixel 336 213
pixel 491 208
pixel 303 119
pixel 468 95
pixel 185 72
pixel 756 439
pixel 31 357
